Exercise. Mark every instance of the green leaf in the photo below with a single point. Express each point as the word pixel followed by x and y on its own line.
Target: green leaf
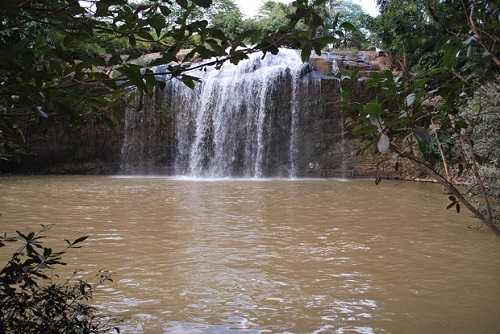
pixel 189 81
pixel 348 26
pixel 164 59
pixel 346 95
pixel 133 73
pixel 182 3
pixel 443 42
pixel 203 3
pixel 132 41
pixel 102 8
pixel 257 35
pixel 109 122
pixel 140 98
pixel 68 39
pixel 79 240
pixel 418 84
pixel 145 35
pixel 376 121
pixel 422 135
pixel 365 129
pixel 165 11
pixel 389 75
pixel 157 22
pixel 335 20
pixel 306 53
pixel 375 76
pixel 373 109
pixel 21 235
pixel 449 60
pixel 327 40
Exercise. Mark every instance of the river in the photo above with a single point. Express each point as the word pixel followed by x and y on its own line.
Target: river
pixel 268 256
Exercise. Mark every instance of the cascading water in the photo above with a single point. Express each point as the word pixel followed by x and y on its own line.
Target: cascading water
pixel 251 120
pixel 223 128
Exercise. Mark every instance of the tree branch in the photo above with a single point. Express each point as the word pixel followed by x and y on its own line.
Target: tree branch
pixel 477 33
pixel 451 189
pixel 37 18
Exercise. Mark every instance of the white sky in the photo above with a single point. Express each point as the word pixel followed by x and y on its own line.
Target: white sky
pixel 250 7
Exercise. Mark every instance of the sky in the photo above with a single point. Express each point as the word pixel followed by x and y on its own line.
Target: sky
pixel 250 7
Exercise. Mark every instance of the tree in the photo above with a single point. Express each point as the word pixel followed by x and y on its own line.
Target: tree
pixel 226 16
pixel 406 109
pixel 350 14
pixel 344 14
pixel 406 32
pixel 272 15
pixel 45 80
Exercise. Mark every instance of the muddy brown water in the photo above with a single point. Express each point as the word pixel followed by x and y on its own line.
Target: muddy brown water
pixel 268 256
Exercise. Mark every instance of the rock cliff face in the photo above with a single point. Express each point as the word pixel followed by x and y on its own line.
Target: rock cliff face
pixel 90 149
pixel 266 117
pixel 148 142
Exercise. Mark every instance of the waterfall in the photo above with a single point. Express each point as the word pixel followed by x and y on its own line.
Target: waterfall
pixel 251 120
pixel 230 123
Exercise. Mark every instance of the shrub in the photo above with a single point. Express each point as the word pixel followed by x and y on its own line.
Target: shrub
pixel 32 302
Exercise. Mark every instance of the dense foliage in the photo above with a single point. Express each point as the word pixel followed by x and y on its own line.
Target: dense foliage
pixel 483 117
pixel 273 14
pixel 34 300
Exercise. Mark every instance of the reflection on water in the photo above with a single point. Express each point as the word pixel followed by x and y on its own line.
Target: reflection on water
pixel 270 256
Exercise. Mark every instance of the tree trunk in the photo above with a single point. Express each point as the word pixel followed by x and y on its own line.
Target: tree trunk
pixel 441 151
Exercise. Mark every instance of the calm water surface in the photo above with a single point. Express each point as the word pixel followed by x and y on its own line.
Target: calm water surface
pixel 270 256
